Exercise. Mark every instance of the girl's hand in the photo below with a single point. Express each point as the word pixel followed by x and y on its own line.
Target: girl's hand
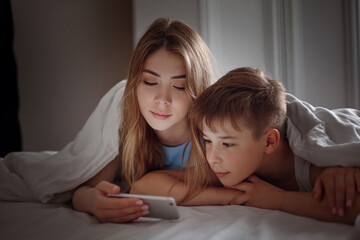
pixel 258 193
pixel 339 184
pixel 115 210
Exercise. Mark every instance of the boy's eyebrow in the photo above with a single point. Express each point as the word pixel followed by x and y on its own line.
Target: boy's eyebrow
pixel 222 137
pixel 227 137
pixel 158 75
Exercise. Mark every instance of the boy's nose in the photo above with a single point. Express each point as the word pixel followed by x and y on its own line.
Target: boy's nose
pixel 212 156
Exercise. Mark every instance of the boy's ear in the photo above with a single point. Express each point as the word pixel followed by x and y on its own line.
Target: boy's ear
pixel 272 140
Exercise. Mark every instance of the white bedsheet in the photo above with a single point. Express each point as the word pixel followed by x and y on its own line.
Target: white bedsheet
pixel 26 220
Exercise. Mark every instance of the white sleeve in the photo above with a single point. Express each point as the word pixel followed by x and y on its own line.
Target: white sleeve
pixel 321 136
pixel 302 171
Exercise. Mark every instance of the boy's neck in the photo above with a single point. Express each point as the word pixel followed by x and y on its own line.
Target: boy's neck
pixel 278 167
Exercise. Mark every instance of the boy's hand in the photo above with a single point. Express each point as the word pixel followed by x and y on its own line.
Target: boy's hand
pixel 340 185
pixel 115 210
pixel 258 193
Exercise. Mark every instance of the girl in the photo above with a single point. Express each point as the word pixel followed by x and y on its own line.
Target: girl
pixel 170 66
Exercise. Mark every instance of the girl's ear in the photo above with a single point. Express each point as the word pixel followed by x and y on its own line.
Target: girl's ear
pixel 272 140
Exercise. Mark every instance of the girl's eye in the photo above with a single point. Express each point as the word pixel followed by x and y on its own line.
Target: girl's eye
pixel 228 145
pixel 150 83
pixel 180 88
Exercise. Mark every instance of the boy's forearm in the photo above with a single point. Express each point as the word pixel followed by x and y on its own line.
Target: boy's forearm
pixel 304 204
pixel 164 184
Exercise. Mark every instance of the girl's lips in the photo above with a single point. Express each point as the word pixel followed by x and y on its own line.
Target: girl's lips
pixel 160 116
pixel 221 174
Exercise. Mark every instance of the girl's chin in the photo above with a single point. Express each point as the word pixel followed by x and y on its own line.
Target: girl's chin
pixel 228 185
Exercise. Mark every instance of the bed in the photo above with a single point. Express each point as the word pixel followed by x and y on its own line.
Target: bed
pixel 35 186
pixel 31 220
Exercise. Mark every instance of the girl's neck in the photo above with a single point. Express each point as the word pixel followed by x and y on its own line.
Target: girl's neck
pixel 174 136
pixel 278 167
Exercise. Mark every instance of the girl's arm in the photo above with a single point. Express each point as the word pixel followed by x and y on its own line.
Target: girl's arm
pixel 92 198
pixel 83 196
pixel 259 193
pixel 170 183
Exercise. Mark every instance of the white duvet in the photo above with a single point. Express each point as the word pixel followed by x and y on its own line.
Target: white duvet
pixel 324 137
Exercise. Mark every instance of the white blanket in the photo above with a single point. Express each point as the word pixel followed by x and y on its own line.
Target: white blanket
pixel 51 177
pixel 34 221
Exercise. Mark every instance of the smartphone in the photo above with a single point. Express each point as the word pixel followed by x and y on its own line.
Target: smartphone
pixel 160 207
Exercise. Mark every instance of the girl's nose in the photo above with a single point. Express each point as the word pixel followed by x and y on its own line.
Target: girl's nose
pixel 163 96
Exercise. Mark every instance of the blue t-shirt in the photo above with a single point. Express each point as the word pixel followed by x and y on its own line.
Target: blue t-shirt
pixel 173 156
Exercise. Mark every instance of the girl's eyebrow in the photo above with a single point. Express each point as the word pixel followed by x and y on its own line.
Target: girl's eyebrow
pixel 158 75
pixel 151 72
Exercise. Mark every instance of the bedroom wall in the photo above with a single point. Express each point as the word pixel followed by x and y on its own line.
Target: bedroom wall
pixel 68 54
pixel 312 46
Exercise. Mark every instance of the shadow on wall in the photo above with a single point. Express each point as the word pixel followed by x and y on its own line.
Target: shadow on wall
pixel 10 137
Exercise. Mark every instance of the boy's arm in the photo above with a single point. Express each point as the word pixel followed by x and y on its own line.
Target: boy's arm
pixel 339 184
pixel 170 183
pixel 259 193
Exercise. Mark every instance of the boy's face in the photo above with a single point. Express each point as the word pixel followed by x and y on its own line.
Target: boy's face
pixel 233 154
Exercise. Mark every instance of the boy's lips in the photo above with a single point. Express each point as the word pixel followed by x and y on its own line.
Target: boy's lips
pixel 160 116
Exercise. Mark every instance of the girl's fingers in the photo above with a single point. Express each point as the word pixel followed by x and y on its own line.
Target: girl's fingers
pixel 110 203
pixel 108 187
pixel 120 213
pixel 350 188
pixel 127 218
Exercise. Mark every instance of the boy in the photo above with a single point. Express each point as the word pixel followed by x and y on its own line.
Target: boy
pixel 240 122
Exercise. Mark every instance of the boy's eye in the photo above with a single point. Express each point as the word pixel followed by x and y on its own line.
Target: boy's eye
pixel 180 88
pixel 206 141
pixel 228 145
pixel 150 83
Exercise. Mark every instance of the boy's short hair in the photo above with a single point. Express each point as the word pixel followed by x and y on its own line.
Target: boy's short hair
pixel 243 93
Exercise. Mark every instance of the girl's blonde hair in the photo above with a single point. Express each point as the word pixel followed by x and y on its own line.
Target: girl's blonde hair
pixel 139 147
pixel 243 94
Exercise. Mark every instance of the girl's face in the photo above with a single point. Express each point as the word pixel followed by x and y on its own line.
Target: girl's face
pixel 233 155
pixel 162 98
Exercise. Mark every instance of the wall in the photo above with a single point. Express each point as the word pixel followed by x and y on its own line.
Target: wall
pixel 312 46
pixel 146 11
pixel 68 54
